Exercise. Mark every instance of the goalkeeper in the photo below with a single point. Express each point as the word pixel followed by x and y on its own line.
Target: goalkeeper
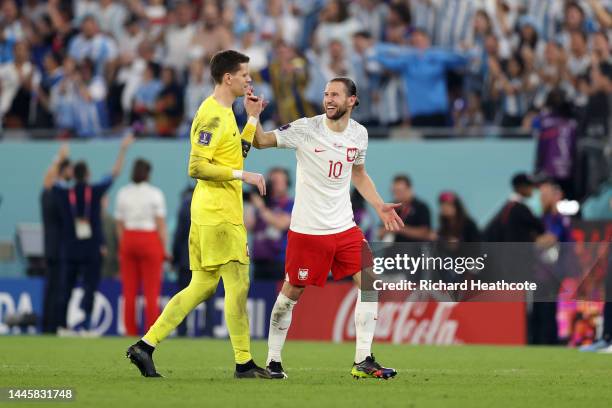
pixel 217 238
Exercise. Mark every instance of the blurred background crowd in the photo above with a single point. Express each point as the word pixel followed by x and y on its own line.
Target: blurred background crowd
pixel 85 67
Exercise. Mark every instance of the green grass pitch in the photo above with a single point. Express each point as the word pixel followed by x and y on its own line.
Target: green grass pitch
pixel 199 373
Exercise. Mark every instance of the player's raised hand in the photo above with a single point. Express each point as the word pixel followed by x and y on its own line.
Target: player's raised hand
pixel 127 140
pixel 64 151
pixel 254 105
pixel 255 179
pixel 389 217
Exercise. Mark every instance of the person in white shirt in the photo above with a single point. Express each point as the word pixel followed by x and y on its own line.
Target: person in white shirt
pixel 140 212
pixel 330 150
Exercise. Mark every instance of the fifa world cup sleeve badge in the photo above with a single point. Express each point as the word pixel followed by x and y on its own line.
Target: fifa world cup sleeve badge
pixel 204 138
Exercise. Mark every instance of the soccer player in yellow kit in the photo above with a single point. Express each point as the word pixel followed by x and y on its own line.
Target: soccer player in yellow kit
pixel 217 238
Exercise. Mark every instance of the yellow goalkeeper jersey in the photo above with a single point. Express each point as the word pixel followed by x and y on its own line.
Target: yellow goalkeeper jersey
pixel 215 136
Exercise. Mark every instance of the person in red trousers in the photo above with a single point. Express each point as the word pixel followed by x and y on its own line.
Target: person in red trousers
pixel 140 212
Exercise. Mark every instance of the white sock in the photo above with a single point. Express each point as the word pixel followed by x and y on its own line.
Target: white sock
pixel 366 314
pixel 280 320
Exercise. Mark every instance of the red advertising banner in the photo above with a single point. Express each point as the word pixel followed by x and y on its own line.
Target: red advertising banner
pixel 327 314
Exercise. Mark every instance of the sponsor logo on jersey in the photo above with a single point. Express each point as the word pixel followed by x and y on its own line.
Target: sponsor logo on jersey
pixel 204 138
pixel 284 127
pixel 319 150
pixel 303 273
pixel 351 154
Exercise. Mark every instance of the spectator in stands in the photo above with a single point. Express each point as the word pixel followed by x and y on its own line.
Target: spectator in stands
pixel 365 74
pixel 255 49
pixel 510 87
pixel 468 115
pixel 278 23
pixel 180 247
pixel 19 81
pixel 145 97
pixel 413 212
pixel 579 58
pixel 140 212
pixel 182 32
pixel 545 14
pixel 60 172
pixel 481 28
pixel 63 100
pixel 211 34
pixel 82 242
pixel 93 45
pixel 335 24
pixel 112 16
pixel 129 39
pixel 371 15
pixel 199 86
pixel 555 131
pixel 528 36
pixel 453 18
pixel 455 224
pixel 338 64
pixel 131 74
pixel 599 87
pixel 91 110
pixel 574 21
pixel 39 39
pixel 424 71
pixel 60 15
pixel 52 75
pixel 11 26
pixel 269 225
pixel 169 106
pixel 287 77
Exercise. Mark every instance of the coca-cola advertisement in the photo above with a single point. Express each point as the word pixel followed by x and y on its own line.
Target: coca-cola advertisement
pixel 327 314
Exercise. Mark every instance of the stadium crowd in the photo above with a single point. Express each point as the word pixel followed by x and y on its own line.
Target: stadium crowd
pixel 90 67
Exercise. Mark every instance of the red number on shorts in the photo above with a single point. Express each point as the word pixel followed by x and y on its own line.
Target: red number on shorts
pixel 335 169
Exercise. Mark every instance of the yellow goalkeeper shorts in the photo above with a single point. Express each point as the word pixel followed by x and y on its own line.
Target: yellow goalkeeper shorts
pixel 211 245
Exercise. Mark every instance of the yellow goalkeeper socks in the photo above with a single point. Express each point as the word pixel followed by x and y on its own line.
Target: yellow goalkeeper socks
pixel 236 283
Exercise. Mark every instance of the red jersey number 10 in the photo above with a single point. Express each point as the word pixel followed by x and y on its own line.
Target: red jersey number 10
pixel 335 169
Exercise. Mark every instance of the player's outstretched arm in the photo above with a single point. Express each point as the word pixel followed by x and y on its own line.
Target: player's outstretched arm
pixel 125 143
pixel 264 140
pixel 53 171
pixel 202 169
pixel 364 184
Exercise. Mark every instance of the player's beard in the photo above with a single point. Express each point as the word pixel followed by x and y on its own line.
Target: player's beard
pixel 340 112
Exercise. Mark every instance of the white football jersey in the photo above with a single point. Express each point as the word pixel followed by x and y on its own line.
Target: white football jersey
pixel 325 161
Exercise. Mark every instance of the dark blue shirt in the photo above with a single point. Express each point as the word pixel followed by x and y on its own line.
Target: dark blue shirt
pixel 559 226
pixel 180 244
pixel 72 248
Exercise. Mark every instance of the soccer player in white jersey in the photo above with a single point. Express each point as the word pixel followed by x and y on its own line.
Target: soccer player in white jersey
pixel 330 150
